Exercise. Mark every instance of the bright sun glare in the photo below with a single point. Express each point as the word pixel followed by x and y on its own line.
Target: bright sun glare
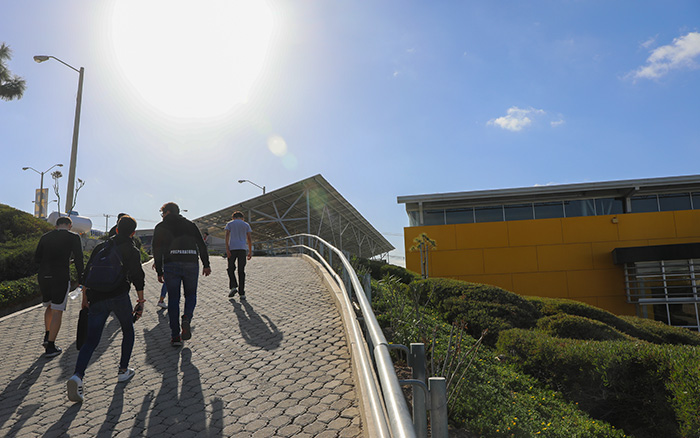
pixel 188 58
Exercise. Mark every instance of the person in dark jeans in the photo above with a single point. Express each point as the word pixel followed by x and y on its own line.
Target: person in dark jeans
pixel 117 301
pixel 238 238
pixel 177 247
pixel 53 255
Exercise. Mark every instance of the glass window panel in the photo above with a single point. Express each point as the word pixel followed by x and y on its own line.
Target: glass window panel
pixel 460 216
pixel 644 204
pixel 434 217
pixel 674 202
pixel 548 210
pixel 413 219
pixel 696 201
pixel 518 212
pixel 583 207
pixel 604 206
pixel 489 214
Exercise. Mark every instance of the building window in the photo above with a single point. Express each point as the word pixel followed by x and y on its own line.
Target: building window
pixel 606 206
pixel 519 212
pixel 549 210
pixel 413 219
pixel 666 290
pixel 434 217
pixel 489 214
pixel 696 201
pixel 645 204
pixel 460 216
pixel 675 202
pixel 584 207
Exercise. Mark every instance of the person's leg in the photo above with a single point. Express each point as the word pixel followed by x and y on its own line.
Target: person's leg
pixel 232 283
pixel 173 277
pixel 97 317
pixel 189 283
pixel 121 306
pixel 59 299
pixel 241 255
pixel 55 326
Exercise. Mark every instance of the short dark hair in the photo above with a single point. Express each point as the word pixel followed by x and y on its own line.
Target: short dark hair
pixel 126 225
pixel 170 207
pixel 237 214
pixel 64 220
pixel 121 215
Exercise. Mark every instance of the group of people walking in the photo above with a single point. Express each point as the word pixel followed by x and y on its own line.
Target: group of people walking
pixel 177 246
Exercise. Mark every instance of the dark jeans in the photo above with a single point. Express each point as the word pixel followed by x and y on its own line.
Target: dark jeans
pixel 187 275
pixel 97 317
pixel 240 256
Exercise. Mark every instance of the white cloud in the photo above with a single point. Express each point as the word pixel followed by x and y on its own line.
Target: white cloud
pixel 516 118
pixel 679 54
pixel 555 123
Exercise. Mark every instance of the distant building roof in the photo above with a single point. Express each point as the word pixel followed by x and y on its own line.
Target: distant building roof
pixel 309 206
pixel 611 189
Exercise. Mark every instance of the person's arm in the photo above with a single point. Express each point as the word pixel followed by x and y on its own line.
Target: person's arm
pixel 228 236
pixel 39 251
pixel 203 251
pixel 157 249
pixel 78 257
pixel 249 239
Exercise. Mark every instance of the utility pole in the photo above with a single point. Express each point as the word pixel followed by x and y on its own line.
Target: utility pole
pixel 107 216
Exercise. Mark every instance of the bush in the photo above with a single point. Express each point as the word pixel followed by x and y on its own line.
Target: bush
pixel 17 258
pixel 14 293
pixel 404 275
pixel 665 333
pixel 629 384
pixel 18 224
pixel 578 327
pixel 481 307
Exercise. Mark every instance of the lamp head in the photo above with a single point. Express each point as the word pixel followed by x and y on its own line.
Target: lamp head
pixel 59 165
pixel 41 58
pixel 25 168
pixel 241 181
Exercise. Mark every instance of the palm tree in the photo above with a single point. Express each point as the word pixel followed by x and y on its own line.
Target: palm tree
pixel 11 87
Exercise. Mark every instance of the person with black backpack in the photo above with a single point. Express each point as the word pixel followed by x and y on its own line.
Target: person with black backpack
pixel 111 270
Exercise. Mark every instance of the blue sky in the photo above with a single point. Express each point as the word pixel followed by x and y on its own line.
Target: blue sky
pixel 181 99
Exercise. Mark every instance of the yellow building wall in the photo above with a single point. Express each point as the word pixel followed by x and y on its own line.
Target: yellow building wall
pixel 560 258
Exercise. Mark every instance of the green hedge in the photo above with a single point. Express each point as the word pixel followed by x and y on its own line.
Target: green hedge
pixel 17 258
pixel 666 333
pixel 18 224
pixel 16 292
pixel 648 390
pixel 578 327
pixel 481 307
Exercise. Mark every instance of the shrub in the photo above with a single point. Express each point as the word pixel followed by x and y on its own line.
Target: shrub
pixel 577 327
pixel 629 384
pixel 665 333
pixel 17 258
pixel 16 292
pixel 404 275
pixel 18 224
pixel 481 306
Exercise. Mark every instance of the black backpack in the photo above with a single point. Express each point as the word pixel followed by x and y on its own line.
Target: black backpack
pixel 105 271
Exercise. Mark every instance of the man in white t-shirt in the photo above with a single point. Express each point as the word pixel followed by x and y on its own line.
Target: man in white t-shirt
pixel 238 238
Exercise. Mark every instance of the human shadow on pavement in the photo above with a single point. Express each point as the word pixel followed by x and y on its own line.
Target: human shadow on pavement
pixel 114 412
pixel 16 391
pixel 174 411
pixel 254 329
pixel 63 424
pixel 70 354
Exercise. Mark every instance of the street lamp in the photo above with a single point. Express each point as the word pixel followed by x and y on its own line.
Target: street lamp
pixel 241 181
pixel 41 187
pixel 76 126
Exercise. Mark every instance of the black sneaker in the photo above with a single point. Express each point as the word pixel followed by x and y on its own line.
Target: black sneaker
pixel 176 341
pixel 186 332
pixel 233 292
pixel 243 297
pixel 52 350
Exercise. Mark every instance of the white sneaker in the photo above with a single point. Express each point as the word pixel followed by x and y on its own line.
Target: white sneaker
pixel 125 375
pixel 162 305
pixel 75 389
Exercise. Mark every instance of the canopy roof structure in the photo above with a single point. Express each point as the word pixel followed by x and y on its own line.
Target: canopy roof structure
pixel 310 206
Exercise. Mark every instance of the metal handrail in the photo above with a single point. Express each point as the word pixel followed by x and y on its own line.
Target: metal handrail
pixel 399 417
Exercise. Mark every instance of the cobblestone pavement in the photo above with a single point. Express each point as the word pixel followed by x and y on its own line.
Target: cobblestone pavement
pixel 274 366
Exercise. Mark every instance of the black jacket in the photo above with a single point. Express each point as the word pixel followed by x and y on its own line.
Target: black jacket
pixel 54 253
pixel 176 239
pixel 131 260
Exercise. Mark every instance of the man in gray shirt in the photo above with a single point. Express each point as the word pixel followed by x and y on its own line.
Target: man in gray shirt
pixel 238 238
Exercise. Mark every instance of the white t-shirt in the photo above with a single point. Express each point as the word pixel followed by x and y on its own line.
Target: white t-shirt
pixel 239 229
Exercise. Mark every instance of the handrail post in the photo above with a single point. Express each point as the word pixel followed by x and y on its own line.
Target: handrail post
pixel 416 360
pixel 438 407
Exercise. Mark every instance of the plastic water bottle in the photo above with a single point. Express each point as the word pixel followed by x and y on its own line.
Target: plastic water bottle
pixel 75 293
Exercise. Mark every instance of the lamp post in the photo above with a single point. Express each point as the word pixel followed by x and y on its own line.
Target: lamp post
pixel 41 187
pixel 76 127
pixel 241 181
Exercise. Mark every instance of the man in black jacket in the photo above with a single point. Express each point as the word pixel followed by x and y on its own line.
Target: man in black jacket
pixel 177 248
pixel 117 301
pixel 53 255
